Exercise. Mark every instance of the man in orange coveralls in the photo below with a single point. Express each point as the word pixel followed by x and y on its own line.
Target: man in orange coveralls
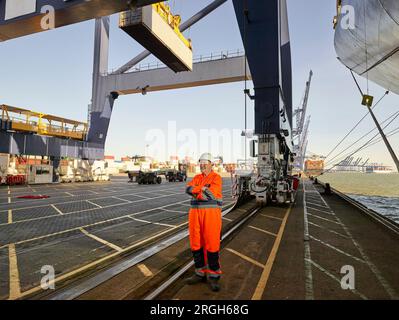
pixel 205 223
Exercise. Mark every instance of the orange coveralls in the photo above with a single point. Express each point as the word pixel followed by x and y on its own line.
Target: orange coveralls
pixel 205 223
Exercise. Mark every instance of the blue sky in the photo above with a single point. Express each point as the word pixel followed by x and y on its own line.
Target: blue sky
pixel 51 72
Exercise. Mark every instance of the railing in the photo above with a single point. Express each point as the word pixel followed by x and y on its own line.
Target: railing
pixel 20 120
pixel 197 59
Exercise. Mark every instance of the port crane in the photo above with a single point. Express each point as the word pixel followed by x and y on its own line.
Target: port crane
pixel 267 62
pixel 300 133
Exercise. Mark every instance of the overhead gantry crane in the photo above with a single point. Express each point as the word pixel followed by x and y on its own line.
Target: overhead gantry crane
pixel 108 86
pixel 24 17
pixel 300 133
pixel 265 33
pixel 267 61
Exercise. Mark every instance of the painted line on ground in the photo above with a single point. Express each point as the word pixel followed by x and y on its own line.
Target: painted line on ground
pixel 15 285
pixel 309 293
pixel 332 231
pixel 271 217
pixel 124 200
pixel 85 210
pixel 137 195
pixel 9 216
pixel 55 208
pixel 107 243
pixel 151 222
pixel 89 225
pixel 315 204
pixel 321 218
pixel 96 262
pixel 102 196
pixel 244 257
pixel 337 250
pixel 260 288
pixel 383 282
pixel 264 231
pixel 144 270
pixel 336 279
pixel 176 211
pixel 311 208
pixel 94 204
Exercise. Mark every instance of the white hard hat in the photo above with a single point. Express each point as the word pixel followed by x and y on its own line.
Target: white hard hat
pixel 206 156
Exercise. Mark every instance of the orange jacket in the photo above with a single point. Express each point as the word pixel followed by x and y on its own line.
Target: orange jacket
pixel 211 197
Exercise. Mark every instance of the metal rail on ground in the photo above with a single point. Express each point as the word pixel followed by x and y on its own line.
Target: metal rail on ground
pixel 185 268
pixel 74 291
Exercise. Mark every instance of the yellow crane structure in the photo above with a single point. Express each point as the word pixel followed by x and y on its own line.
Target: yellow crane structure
pixel 173 21
pixel 23 120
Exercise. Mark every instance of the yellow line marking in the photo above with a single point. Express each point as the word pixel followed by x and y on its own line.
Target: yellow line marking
pixel 246 258
pixel 260 288
pixel 271 217
pixel 15 286
pixel 56 209
pixel 144 270
pixel 264 231
pixel 109 244
pixel 10 216
pixel 181 224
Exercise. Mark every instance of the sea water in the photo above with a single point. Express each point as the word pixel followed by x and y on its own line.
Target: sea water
pixel 377 191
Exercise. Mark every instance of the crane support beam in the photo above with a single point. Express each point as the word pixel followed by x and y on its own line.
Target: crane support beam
pixel 305 104
pixel 17 143
pixel 23 17
pixel 264 31
pixel 204 73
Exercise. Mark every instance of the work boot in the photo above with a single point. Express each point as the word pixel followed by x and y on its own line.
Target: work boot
pixel 214 283
pixel 195 278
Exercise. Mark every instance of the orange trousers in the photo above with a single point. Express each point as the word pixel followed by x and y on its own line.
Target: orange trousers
pixel 205 226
